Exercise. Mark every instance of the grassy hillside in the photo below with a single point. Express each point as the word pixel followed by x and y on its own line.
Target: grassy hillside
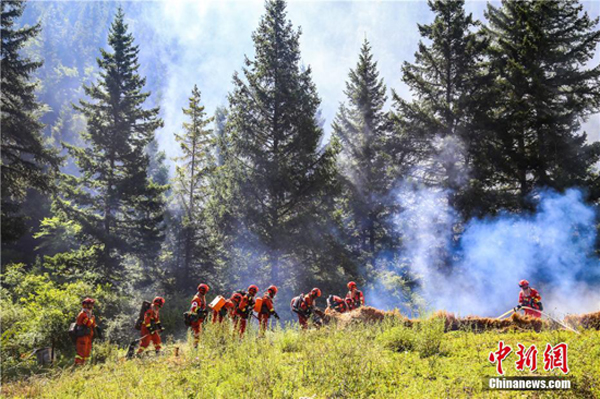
pixel 379 361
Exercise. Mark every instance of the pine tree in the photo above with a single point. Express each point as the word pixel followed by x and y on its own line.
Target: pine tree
pixel 445 80
pixel 192 177
pixel 362 128
pixel 27 163
pixel 544 90
pixel 280 172
pixel 114 200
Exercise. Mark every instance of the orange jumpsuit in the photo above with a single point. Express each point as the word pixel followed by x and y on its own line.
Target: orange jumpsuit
pixel 303 308
pixel 84 343
pixel 266 311
pixel 150 318
pixel 244 311
pixel 198 305
pixel 357 298
pixel 531 301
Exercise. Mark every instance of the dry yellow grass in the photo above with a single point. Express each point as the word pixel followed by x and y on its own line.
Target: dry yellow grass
pixel 587 320
pixel 368 314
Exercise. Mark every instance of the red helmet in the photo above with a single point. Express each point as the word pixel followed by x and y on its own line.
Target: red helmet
pixel 315 292
pixel 88 301
pixel 253 290
pixel 351 285
pixel 236 297
pixel 203 288
pixel 273 290
pixel 159 300
pixel 349 301
pixel 523 283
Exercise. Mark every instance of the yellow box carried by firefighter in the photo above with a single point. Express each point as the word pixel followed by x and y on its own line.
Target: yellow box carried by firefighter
pixel 258 304
pixel 217 303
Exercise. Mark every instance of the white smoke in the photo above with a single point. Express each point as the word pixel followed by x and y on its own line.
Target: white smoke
pixel 553 248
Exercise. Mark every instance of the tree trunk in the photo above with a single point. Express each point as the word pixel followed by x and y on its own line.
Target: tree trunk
pixel 189 231
pixel 189 235
pixel 106 253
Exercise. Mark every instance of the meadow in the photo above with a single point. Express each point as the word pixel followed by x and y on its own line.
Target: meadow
pixel 384 360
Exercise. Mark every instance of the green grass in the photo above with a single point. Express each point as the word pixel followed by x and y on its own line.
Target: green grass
pixel 374 361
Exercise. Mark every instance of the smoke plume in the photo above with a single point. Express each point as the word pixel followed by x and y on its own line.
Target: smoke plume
pixel 479 272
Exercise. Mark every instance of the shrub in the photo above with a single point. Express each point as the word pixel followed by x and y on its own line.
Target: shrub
pixel 289 341
pixel 37 313
pixel 399 339
pixel 430 333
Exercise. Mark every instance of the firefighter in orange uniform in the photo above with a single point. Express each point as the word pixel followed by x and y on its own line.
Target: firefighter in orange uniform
pixel 198 311
pixel 151 326
pixel 531 298
pixel 233 306
pixel 338 304
pixel 244 310
pixel 355 296
pixel 267 309
pixel 303 306
pixel 86 322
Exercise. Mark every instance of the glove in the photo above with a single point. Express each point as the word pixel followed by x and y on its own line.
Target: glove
pixel 517 308
pixel 276 315
pixel 540 306
pixel 159 327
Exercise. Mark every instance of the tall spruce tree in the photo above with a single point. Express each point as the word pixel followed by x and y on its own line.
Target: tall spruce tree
pixel 191 184
pixel 281 175
pixel 116 203
pixel 445 80
pixel 362 128
pixel 27 163
pixel 543 91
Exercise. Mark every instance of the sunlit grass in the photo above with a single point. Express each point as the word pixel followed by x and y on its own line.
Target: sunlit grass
pixel 377 361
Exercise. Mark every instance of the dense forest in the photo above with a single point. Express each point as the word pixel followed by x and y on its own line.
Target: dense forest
pixel 259 194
